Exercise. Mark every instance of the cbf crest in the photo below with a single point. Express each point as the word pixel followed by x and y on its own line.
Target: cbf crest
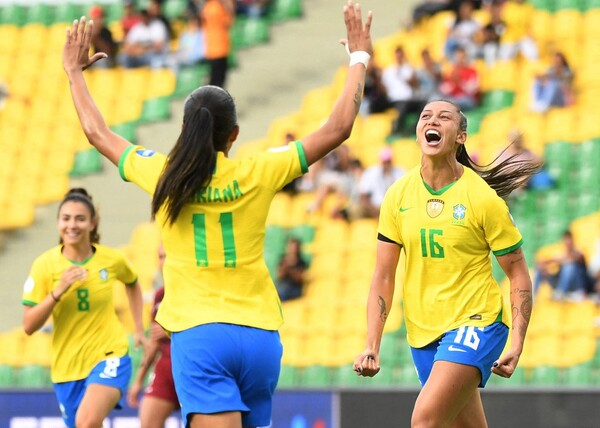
pixel 434 207
pixel 459 212
pixel 103 274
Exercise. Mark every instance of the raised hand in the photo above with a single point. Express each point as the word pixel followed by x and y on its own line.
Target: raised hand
pixel 358 34
pixel 77 47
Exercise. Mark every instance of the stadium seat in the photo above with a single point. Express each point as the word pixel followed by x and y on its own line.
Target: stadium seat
pixel 282 10
pixel 190 78
pixel 13 13
pixel 67 11
pixel 545 376
pixel 156 109
pixel 315 376
pixel 40 13
pixel 86 162
pixel 33 376
pixel 126 130
pixel 288 376
pixel 7 376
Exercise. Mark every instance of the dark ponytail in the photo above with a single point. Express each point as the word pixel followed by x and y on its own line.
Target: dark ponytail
pixel 209 118
pixel 503 177
pixel 79 194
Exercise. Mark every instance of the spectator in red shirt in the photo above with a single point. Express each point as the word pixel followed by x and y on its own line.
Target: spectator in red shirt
pixel 461 84
pixel 130 16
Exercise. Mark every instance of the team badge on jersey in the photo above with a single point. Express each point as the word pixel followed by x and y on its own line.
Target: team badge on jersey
pixel 144 153
pixel 459 212
pixel 103 274
pixel 434 207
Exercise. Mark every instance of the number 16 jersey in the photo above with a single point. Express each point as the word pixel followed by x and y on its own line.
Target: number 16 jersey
pixel 215 269
pixel 447 236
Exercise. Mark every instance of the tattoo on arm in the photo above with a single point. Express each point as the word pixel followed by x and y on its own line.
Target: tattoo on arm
pixel 358 96
pixel 517 256
pixel 524 309
pixel 382 309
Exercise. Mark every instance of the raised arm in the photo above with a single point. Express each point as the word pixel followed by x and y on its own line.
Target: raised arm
pixel 378 306
pixel 338 126
pixel 521 301
pixel 75 60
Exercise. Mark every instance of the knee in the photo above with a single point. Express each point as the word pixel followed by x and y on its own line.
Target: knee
pixel 424 418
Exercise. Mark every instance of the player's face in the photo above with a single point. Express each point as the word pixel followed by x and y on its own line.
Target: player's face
pixel 438 129
pixel 75 223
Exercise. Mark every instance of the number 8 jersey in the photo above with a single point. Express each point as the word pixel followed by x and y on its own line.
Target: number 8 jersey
pixel 86 327
pixel 215 269
pixel 447 236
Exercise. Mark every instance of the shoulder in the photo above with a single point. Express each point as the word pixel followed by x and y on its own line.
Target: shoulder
pixel 108 252
pixel 49 256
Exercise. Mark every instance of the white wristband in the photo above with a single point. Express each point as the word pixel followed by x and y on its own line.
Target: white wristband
pixel 359 57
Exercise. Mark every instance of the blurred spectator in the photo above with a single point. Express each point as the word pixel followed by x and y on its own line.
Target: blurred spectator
pixel 488 39
pixel 461 84
pixel 374 183
pixel 290 274
pixel 429 8
pixel 190 46
pixel 518 151
pixel 155 11
pixel 293 187
pixel 130 16
pixel 102 39
pixel 253 8
pixel 375 99
pixel 146 44
pixel 463 31
pixel 553 88
pixel 399 80
pixel 426 86
pixel 337 176
pixel 594 272
pixel 217 18
pixel 566 274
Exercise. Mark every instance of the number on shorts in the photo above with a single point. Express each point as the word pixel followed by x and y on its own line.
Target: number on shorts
pixel 468 337
pixel 110 369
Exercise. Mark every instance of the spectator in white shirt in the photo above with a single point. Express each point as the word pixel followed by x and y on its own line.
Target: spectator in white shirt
pixel 146 44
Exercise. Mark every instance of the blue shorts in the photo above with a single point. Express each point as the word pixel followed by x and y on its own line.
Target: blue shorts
pixel 114 372
pixel 226 368
pixel 472 346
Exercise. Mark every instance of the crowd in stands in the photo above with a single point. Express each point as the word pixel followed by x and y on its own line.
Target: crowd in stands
pixel 479 35
pixel 150 39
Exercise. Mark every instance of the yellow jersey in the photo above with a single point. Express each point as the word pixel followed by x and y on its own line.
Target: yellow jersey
pixel 448 237
pixel 86 329
pixel 215 269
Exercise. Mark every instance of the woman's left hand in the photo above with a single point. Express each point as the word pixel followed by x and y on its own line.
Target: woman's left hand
pixel 77 47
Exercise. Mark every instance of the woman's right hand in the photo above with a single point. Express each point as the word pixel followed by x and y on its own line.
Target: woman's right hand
pixel 133 394
pixel 71 275
pixel 77 46
pixel 367 363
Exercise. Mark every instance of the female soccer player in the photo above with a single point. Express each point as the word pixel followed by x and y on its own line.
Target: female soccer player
pixel 448 215
pixel 220 303
pixel 160 398
pixel 73 282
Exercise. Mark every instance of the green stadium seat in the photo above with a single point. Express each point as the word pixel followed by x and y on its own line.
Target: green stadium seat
pixel 236 33
pixel 566 4
pixel 156 109
pixel 66 11
pixel 174 9
pixel 190 78
pixel 545 376
pixel 126 130
pixel 497 99
pixel 589 153
pixel 33 376
pixel 407 376
pixel 40 13
pixel 276 239
pixel 232 59
pixel 587 203
pixel 288 377
pixel 114 11
pixel 345 376
pixel 589 5
pixel 579 375
pixel 547 5
pixel 305 233
pixel 474 118
pixel 282 10
pixel 15 14
pixel 559 159
pixel 315 376
pixel 7 376
pixel 256 31
pixel 86 162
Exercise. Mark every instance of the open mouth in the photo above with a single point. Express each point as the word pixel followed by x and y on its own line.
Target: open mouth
pixel 432 136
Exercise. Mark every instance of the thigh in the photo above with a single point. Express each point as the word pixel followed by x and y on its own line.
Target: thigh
pixel 154 411
pixel 69 396
pixel 447 392
pixel 98 401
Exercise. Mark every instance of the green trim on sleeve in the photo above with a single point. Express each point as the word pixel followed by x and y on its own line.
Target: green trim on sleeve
pixel 131 284
pixel 302 156
pixel 509 249
pixel 28 303
pixel 122 161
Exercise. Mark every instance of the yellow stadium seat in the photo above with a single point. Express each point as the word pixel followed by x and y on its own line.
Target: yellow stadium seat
pixel 317 104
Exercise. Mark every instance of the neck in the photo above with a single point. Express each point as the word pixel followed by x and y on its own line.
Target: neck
pixel 438 173
pixel 78 253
